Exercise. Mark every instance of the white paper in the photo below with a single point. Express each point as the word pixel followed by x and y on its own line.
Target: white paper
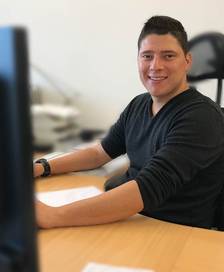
pixel 63 197
pixel 96 267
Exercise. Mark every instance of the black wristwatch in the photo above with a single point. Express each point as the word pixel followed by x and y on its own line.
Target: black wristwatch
pixel 46 166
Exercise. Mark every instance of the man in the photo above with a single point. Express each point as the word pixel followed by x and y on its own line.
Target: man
pixel 173 136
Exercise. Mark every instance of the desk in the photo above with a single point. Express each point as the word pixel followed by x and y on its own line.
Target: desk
pixel 137 242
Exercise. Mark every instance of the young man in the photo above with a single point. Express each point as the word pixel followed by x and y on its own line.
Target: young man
pixel 173 136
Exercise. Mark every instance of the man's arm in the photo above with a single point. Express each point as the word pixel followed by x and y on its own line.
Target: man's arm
pixel 83 159
pixel 111 206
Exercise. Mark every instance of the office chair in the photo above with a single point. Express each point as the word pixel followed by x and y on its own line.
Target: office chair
pixel 219 212
pixel 219 215
pixel 208 59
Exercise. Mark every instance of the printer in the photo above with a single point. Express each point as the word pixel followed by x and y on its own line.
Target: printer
pixel 53 124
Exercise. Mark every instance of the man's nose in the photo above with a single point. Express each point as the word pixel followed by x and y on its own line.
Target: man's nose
pixel 156 63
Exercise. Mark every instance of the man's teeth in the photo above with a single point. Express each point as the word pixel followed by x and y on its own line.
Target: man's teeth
pixel 157 78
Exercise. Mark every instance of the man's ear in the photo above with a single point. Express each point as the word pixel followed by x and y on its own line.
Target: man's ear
pixel 188 58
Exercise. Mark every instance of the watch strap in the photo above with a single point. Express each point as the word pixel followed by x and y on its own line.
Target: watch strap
pixel 46 166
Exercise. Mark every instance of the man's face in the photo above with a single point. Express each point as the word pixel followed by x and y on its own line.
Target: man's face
pixel 163 66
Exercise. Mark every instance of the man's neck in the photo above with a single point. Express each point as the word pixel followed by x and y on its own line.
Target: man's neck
pixel 159 102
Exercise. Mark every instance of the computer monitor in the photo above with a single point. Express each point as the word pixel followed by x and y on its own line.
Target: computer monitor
pixel 17 222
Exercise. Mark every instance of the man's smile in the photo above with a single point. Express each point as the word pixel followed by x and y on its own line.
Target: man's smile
pixel 157 78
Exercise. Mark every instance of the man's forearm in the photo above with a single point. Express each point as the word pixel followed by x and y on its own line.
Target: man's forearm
pixel 77 160
pixel 111 206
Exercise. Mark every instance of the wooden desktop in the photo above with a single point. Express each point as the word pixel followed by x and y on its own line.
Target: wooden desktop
pixel 139 242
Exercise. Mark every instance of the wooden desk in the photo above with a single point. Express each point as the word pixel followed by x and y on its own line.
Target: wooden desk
pixel 137 242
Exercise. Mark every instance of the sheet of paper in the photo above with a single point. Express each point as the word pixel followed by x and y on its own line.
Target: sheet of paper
pixel 63 197
pixel 96 267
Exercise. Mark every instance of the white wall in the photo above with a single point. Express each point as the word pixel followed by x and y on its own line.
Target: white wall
pixel 89 46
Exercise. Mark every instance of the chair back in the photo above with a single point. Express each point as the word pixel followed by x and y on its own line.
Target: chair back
pixel 207 51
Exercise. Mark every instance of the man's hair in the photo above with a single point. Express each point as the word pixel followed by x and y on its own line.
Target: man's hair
pixel 162 25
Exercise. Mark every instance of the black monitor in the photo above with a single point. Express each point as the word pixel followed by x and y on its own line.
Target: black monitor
pixel 17 222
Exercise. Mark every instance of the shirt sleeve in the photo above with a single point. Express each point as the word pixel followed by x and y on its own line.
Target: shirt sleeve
pixel 194 141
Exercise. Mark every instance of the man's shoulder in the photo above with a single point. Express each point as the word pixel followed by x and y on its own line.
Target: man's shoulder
pixel 140 98
pixel 195 100
pixel 193 107
pixel 143 96
pixel 137 105
pixel 206 102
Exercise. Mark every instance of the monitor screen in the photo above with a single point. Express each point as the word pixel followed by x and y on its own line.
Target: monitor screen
pixel 17 222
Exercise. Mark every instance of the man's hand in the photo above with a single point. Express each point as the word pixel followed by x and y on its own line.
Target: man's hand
pixel 37 169
pixel 45 215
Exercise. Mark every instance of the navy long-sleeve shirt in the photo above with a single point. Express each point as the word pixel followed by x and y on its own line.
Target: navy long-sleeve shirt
pixel 176 156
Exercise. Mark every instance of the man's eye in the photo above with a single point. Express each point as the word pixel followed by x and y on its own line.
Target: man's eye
pixel 169 56
pixel 148 57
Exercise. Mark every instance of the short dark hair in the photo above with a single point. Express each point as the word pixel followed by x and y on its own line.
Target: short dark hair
pixel 162 25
